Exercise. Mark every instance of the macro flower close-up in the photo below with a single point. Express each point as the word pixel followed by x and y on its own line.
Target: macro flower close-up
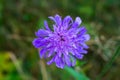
pixel 59 40
pixel 64 43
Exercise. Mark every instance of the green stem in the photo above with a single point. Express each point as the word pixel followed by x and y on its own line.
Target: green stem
pixel 109 64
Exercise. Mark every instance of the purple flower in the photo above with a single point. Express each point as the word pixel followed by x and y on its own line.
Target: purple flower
pixel 64 44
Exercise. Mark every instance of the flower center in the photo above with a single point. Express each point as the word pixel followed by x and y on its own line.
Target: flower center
pixel 61 37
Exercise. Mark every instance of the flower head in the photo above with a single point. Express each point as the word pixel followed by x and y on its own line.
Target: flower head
pixel 64 44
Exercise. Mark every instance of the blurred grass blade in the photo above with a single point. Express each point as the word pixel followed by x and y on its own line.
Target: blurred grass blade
pixel 109 64
pixel 76 75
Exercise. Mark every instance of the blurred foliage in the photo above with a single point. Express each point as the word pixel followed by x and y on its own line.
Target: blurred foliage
pixel 7 68
pixel 19 19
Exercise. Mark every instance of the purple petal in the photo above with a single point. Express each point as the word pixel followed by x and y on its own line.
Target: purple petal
pixel 41 33
pixel 42 52
pixel 52 18
pixel 59 62
pixel 74 45
pixel 66 21
pixel 71 31
pixel 59 53
pixel 84 45
pixel 78 55
pixel 82 31
pixel 82 37
pixel 82 51
pixel 58 20
pixel 50 53
pixel 65 50
pixel 46 25
pixel 73 61
pixel 78 30
pixel 77 22
pixel 55 28
pixel 86 37
pixel 51 61
pixel 40 42
pixel 49 45
pixel 71 51
pixel 67 60
pixel 37 43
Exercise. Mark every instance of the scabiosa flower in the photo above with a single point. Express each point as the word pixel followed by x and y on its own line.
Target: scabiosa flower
pixel 64 44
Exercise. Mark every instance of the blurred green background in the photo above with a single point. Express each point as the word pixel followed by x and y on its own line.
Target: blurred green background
pixel 19 19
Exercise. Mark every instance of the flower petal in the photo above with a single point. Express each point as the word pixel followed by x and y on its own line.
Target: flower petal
pixel 37 43
pixel 67 60
pixel 82 51
pixel 50 53
pixel 52 18
pixel 86 37
pixel 42 52
pixel 77 22
pixel 82 31
pixel 41 33
pixel 51 61
pixel 46 25
pixel 55 28
pixel 78 55
pixel 59 63
pixel 84 45
pixel 66 22
pixel 57 19
pixel 73 61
